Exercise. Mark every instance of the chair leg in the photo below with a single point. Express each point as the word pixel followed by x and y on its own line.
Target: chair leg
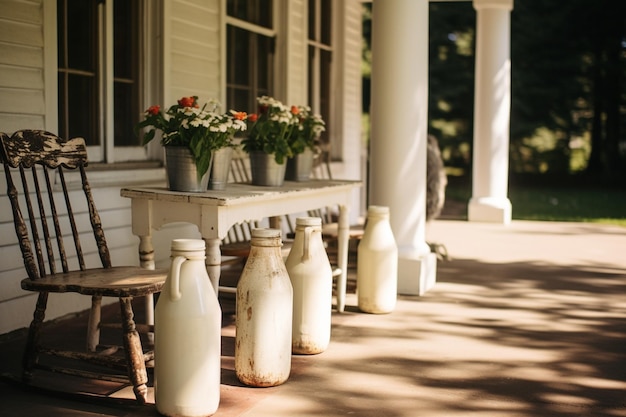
pixel 31 351
pixel 134 352
pixel 93 327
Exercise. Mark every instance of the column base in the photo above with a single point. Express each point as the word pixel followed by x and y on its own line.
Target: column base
pixel 489 209
pixel 417 275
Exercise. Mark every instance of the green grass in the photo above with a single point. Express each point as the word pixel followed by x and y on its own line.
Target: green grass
pixel 549 199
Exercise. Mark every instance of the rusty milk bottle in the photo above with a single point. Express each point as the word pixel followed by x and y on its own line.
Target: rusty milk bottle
pixel 312 280
pixel 187 345
pixel 377 264
pixel 264 310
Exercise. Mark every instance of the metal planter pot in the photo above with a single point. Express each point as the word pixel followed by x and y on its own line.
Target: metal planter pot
pixel 182 174
pixel 220 168
pixel 265 170
pixel 299 167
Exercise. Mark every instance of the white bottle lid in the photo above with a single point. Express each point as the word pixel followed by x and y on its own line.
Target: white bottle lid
pixel 308 221
pixel 182 245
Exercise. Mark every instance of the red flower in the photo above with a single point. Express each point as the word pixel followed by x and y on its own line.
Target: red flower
pixel 188 102
pixel 153 110
pixel 240 115
pixel 253 117
pixel 263 109
pixel 295 110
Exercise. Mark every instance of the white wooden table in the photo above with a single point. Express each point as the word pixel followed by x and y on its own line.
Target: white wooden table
pixel 214 212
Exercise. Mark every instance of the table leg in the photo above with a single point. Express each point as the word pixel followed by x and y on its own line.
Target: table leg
pixel 213 262
pixel 343 237
pixel 146 260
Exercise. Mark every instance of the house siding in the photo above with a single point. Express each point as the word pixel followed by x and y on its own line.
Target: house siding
pixel 296 52
pixel 192 50
pixel 349 91
pixel 22 104
pixel 22 94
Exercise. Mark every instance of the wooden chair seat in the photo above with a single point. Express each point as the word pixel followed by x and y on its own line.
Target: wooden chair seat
pixel 119 281
pixel 46 211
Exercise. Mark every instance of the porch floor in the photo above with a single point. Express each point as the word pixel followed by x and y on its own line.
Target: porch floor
pixel 525 320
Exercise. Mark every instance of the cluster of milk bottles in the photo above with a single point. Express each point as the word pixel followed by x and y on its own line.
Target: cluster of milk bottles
pixel 282 308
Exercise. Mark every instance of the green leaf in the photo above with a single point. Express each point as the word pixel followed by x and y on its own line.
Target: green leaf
pixel 148 137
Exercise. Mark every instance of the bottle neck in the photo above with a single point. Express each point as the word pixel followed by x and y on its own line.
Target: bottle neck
pixel 378 217
pixel 313 228
pixel 190 255
pixel 266 242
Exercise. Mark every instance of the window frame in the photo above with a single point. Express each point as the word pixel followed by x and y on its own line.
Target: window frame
pixel 269 32
pixel 314 78
pixel 106 151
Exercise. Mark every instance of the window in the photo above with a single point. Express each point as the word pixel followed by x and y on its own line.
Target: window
pixel 98 76
pixel 320 59
pixel 125 71
pixel 78 83
pixel 250 56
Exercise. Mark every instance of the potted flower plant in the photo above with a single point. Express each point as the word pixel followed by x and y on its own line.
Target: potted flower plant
pixel 267 142
pixel 303 142
pixel 190 135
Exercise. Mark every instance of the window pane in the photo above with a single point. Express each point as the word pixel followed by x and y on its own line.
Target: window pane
pixel 238 56
pixel 241 99
pixel 126 115
pixel 82 109
pixel 312 20
pixel 265 64
pixel 265 13
pixel 63 132
pixel 61 24
pixel 326 21
pixel 253 11
pixel 124 38
pixel 320 28
pixel 237 8
pixel 249 68
pixel 126 72
pixel 80 35
pixel 77 33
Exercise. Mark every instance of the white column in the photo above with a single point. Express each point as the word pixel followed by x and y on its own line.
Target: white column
pixel 492 108
pixel 399 123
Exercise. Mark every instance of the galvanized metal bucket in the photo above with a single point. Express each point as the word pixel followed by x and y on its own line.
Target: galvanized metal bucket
pixel 265 170
pixel 182 174
pixel 299 167
pixel 220 168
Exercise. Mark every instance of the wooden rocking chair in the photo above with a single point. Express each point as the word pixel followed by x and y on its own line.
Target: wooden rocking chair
pixel 55 252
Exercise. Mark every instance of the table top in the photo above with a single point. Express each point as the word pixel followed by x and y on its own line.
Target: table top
pixel 240 193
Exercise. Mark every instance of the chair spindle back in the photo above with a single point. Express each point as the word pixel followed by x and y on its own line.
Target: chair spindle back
pixel 41 159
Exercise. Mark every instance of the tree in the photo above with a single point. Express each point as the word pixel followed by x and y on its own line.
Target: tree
pixel 607 36
pixel 568 68
pixel 451 79
pixel 567 64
